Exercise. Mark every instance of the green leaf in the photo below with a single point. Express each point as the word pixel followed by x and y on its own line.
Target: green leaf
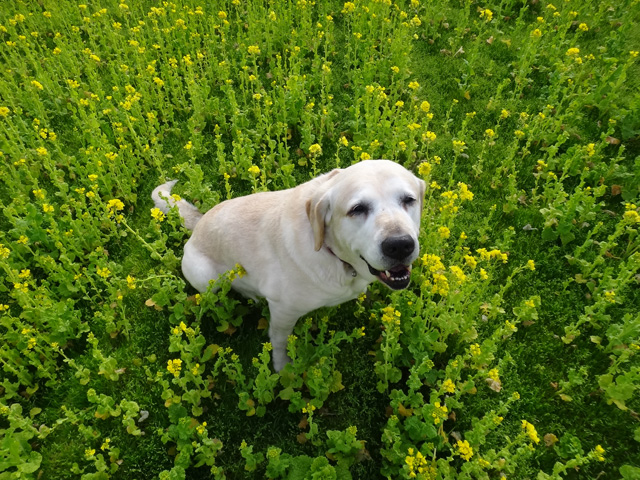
pixel 629 472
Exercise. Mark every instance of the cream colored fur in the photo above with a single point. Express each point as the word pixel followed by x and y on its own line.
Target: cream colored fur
pixel 303 248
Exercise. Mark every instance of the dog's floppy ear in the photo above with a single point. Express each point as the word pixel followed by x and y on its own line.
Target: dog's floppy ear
pixel 317 209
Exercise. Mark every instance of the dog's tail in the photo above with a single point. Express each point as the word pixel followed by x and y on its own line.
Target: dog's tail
pixel 164 201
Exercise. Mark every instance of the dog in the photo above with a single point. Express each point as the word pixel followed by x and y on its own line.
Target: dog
pixel 315 245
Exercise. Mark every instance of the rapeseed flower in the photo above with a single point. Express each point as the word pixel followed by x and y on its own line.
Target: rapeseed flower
pixel 157 214
pixel 315 149
pixel 530 431
pixel 174 367
pixel 464 449
pixel 424 169
pixel 598 452
pixel 486 14
pixel 103 272
pixel 449 386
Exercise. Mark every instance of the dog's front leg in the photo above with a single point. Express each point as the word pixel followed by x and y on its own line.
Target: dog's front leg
pixel 281 324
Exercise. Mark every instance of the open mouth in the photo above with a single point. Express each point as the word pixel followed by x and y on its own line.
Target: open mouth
pixel 395 278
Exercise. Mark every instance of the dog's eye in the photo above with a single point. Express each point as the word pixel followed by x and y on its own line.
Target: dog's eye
pixel 408 201
pixel 358 209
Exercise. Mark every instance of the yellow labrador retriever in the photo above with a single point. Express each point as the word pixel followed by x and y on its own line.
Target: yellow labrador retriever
pixel 315 245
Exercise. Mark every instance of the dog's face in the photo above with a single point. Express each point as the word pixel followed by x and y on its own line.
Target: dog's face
pixel 369 216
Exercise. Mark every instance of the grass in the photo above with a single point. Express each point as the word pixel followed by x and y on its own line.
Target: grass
pixel 136 93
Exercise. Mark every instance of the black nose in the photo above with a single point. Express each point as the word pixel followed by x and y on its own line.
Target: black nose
pixel 398 248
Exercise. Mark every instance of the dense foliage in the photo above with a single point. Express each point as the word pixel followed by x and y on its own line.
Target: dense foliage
pixel 513 354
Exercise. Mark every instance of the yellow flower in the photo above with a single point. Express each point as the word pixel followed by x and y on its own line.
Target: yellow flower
pixel 37 84
pixel 414 85
pixel 489 133
pixel 103 272
pixel 315 149
pixel 470 261
pixel 254 170
pixel 583 27
pixel 131 282
pixel 610 296
pixel 174 366
pixel 572 52
pixel 395 69
pixel 465 193
pixel 449 386
pixel 254 50
pixel 31 344
pixel 530 431
pixel 157 214
pixel 4 111
pixel 537 33
pixel 475 350
pixel 348 7
pixel 599 453
pixel 486 14
pixel 424 169
pixel 430 136
pixel 531 265
pixel 188 146
pixel 444 232
pixel 343 141
pixel 113 206
pixel 46 208
pixel 41 151
pixel 464 449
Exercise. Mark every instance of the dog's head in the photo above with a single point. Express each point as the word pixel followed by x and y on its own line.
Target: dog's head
pixel 369 216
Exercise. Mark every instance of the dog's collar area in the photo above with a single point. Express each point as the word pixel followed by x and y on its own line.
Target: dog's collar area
pixel 347 266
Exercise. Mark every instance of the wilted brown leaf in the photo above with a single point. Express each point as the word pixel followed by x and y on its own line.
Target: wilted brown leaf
pixel 151 303
pixel 304 423
pixel 550 439
pixel 494 385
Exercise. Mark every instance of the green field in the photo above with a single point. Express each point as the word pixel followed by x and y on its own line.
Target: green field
pixel 514 353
